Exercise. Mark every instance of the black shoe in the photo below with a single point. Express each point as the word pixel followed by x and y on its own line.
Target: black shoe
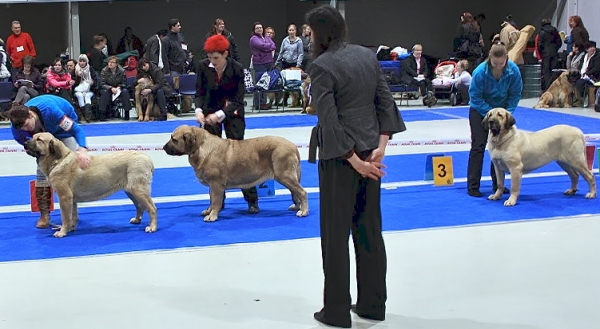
pixel 253 208
pixel 320 316
pixel 494 188
pixel 376 317
pixel 474 192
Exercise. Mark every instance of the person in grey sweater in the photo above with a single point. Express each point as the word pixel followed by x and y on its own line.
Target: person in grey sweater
pixel 291 52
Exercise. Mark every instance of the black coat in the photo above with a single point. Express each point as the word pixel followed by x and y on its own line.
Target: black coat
pixel 212 96
pixel 157 77
pixel 151 52
pixel 409 69
pixel 549 41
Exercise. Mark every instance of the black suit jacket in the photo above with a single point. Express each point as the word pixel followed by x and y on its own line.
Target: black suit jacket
pixel 593 69
pixel 409 69
pixel 151 52
pixel 212 95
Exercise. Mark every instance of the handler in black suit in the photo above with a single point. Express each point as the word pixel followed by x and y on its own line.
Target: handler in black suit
pixel 220 98
pixel 156 52
pixel 357 115
pixel 415 66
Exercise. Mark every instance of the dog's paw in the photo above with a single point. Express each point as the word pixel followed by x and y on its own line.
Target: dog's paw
pixel 294 207
pixel 210 218
pixel 140 119
pixel 150 229
pixel 205 212
pixel 494 197
pixel 302 213
pixel 135 220
pixel 590 195
pixel 60 234
pixel 510 202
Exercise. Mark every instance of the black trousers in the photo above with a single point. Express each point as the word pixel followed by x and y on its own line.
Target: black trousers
pixel 479 137
pixel 235 128
pixel 161 101
pixel 548 64
pixel 581 85
pixel 463 93
pixel 106 100
pixel 424 85
pixel 351 204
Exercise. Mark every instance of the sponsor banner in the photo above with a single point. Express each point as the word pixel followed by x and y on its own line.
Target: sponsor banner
pixel 591 138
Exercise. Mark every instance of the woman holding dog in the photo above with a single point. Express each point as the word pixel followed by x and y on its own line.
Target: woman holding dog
pixel 495 83
pixel 357 116
pixel 220 98
pixel 53 114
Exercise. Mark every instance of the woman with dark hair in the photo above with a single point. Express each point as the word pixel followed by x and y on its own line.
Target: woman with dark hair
pixel 495 83
pixel 467 41
pixel 58 81
pixel 220 99
pixel 579 34
pixel 261 49
pixel 219 28
pixel 357 116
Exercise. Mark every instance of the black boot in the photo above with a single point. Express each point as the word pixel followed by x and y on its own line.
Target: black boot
pixel 87 112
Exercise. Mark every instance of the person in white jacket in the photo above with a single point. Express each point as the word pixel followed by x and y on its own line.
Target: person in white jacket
pixel 4 72
pixel 462 81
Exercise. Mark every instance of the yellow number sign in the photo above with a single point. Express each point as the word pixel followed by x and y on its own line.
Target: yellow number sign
pixel 443 174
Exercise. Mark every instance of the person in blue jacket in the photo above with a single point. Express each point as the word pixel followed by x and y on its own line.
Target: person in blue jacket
pixel 55 115
pixel 495 83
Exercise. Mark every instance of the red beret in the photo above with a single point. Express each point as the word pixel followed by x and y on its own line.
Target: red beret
pixel 216 43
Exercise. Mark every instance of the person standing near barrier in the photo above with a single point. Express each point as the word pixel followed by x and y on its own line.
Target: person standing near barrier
pixel 220 99
pixel 55 115
pixel 357 116
pixel 495 83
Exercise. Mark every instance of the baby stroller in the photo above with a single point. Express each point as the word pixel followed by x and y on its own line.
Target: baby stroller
pixel 442 87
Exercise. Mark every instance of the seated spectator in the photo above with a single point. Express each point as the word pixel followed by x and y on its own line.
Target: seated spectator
pixel 462 81
pixel 28 81
pixel 4 72
pixel 85 79
pixel 58 81
pixel 575 58
pixel 113 85
pixel 415 72
pixel 590 71
pixel 161 88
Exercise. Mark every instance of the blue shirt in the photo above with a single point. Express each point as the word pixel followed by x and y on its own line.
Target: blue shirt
pixel 487 93
pixel 58 117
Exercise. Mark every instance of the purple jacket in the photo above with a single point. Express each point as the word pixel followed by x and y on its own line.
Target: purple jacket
pixel 261 50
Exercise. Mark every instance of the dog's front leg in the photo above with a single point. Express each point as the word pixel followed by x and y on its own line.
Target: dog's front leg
pixel 568 100
pixel 65 198
pixel 500 180
pixel 138 103
pixel 516 174
pixel 216 201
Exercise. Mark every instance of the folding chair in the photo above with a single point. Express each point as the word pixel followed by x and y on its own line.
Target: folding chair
pixel 6 93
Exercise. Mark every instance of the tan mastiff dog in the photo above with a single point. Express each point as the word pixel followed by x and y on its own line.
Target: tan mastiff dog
pixel 151 111
pixel 560 91
pixel 222 164
pixel 130 171
pixel 519 152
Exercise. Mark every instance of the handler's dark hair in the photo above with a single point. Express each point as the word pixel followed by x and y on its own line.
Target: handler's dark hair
pixel 328 29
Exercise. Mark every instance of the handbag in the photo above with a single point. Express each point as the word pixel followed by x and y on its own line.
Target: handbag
pixel 82 87
pixel 248 81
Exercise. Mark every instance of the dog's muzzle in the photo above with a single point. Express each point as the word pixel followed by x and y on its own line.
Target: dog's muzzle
pixel 30 149
pixel 170 150
pixel 495 127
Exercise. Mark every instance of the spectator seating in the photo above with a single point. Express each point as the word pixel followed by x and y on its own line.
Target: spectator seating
pixel 392 70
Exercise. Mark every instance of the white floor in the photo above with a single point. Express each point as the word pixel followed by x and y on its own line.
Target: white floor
pixel 541 274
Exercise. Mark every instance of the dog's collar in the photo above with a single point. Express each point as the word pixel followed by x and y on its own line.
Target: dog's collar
pixel 514 132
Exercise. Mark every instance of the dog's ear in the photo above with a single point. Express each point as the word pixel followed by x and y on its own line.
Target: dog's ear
pixel 190 140
pixel 510 121
pixel 485 122
pixel 54 149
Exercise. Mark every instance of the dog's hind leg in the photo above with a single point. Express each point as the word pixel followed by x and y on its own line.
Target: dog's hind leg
pixel 139 211
pixel 573 175
pixel 143 202
pixel 580 167
pixel 299 195
pixel 74 217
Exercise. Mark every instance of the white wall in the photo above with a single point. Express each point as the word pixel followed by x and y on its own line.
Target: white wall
pixel 587 9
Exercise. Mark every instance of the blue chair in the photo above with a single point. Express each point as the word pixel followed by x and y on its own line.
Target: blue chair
pixel 6 92
pixel 393 69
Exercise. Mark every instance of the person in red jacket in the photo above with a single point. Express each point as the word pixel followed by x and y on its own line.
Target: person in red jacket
pixel 19 45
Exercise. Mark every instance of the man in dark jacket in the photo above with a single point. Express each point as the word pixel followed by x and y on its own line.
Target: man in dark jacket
pixel 155 51
pixel 549 42
pixel 176 55
pixel 160 88
pixel 415 72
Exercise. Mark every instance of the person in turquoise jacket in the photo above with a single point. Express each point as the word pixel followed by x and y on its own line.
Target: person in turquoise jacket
pixel 55 115
pixel 495 83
